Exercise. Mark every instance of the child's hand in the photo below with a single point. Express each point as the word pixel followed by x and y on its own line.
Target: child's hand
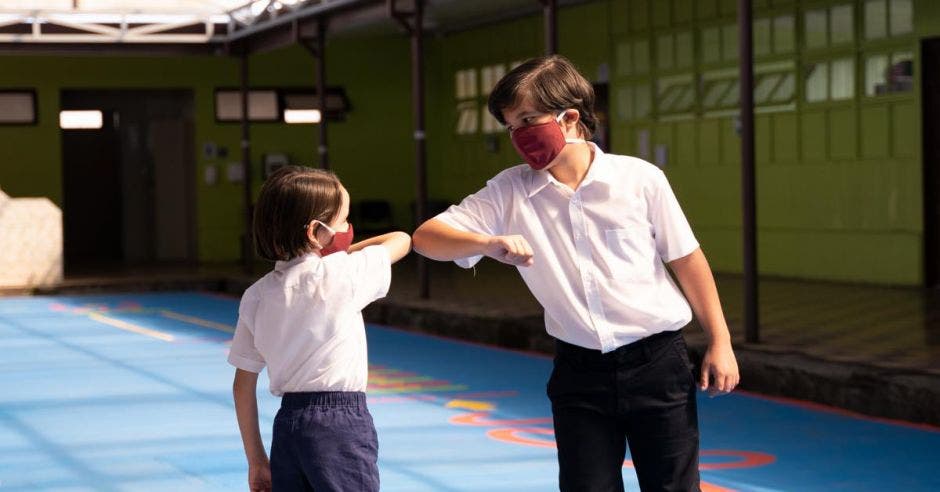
pixel 719 370
pixel 512 250
pixel 259 477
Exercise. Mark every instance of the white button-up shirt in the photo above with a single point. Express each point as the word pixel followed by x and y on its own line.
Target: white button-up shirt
pixel 304 321
pixel 599 250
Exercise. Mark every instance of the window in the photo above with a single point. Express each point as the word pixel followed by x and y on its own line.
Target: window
pixel 888 73
pixel 466 91
pixel 17 107
pixel 262 105
pixel 884 17
pixel 830 80
pixel 832 26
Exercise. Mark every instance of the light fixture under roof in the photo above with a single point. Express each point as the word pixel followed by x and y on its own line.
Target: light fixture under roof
pixel 81 120
pixel 298 116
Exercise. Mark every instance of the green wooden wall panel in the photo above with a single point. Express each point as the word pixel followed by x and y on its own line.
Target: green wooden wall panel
pixel 709 147
pixel 639 20
pixel 686 154
pixel 662 13
pixel 875 128
pixel 843 136
pixel 762 139
pixel 706 9
pixel 905 131
pixel 683 11
pixel 730 143
pixel 786 139
pixel 619 17
pixel 813 130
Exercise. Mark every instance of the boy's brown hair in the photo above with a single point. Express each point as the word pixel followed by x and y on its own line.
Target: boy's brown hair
pixel 290 199
pixel 552 84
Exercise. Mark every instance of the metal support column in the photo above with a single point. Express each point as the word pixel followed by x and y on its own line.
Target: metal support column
pixel 550 16
pixel 748 186
pixel 413 22
pixel 317 48
pixel 247 244
pixel 322 148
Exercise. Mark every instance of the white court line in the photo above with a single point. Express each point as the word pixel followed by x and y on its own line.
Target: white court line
pixel 197 321
pixel 124 325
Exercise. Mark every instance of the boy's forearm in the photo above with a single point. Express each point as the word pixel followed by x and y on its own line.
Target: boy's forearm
pixel 698 285
pixel 246 411
pixel 398 244
pixel 438 241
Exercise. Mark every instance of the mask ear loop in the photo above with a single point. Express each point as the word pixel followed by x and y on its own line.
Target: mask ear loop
pixel 559 118
pixel 313 224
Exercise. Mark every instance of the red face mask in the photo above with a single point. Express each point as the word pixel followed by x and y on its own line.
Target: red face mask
pixel 341 240
pixel 540 144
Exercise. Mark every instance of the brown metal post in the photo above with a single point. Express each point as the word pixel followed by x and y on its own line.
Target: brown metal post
pixel 417 96
pixel 748 172
pixel 550 15
pixel 247 245
pixel 322 148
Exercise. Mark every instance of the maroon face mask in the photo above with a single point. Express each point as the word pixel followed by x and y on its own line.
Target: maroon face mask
pixel 540 144
pixel 341 240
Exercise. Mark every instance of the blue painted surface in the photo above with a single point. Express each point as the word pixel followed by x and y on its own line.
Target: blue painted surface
pixel 88 406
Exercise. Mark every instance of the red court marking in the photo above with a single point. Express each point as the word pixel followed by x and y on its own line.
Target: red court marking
pixel 486 394
pixel 538 355
pixel 401 399
pixel 416 385
pixel 839 411
pixel 512 436
pixel 746 459
pixel 480 419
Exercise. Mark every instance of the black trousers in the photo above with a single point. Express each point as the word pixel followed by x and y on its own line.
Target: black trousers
pixel 642 394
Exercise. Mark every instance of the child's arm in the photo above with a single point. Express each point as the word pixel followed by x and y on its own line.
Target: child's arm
pixel 397 243
pixel 698 284
pixel 246 410
pixel 439 241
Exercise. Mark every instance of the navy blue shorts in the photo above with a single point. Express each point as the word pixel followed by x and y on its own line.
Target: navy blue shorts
pixel 324 441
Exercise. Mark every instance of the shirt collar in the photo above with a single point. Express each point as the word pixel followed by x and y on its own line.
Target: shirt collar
pixel 540 179
pixel 283 265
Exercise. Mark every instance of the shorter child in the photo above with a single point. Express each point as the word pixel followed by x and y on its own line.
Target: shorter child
pixel 303 321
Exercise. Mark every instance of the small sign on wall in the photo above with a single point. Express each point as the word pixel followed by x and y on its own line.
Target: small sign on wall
pixel 235 172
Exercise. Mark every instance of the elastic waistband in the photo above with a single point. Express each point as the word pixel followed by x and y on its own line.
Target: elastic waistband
pixel 324 399
pixel 637 352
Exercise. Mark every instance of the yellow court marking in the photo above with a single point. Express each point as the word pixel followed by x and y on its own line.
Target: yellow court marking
pixel 197 321
pixel 124 325
pixel 478 406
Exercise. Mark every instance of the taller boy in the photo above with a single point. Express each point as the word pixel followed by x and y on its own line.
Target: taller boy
pixel 591 234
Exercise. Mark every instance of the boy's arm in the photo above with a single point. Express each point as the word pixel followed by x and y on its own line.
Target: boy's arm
pixel 698 284
pixel 246 410
pixel 439 241
pixel 397 243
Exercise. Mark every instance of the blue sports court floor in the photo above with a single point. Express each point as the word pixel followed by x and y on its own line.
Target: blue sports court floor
pixel 132 393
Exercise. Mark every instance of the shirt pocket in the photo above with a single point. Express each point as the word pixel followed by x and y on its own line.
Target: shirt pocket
pixel 630 254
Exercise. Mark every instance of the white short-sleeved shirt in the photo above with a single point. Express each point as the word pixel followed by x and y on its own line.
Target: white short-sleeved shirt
pixel 599 250
pixel 303 320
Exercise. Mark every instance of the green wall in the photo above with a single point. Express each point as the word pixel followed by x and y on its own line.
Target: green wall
pixel 369 150
pixel 839 179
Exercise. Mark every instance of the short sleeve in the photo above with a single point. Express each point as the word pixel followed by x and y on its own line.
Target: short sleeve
pixel 371 274
pixel 671 230
pixel 243 354
pixel 479 213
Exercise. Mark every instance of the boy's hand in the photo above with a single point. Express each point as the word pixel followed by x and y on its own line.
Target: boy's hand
pixel 259 477
pixel 512 250
pixel 719 369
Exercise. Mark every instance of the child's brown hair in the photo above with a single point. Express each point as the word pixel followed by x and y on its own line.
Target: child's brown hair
pixel 290 199
pixel 552 84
